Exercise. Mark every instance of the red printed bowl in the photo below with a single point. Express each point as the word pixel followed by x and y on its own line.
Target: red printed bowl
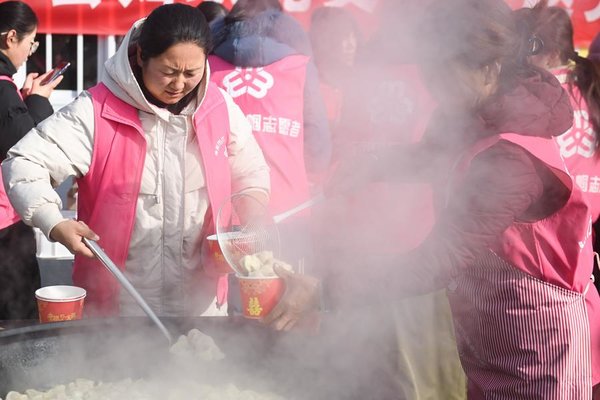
pixel 217 256
pixel 60 303
pixel 259 295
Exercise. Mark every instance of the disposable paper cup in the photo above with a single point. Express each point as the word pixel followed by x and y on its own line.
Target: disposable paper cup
pixel 217 256
pixel 259 295
pixel 60 303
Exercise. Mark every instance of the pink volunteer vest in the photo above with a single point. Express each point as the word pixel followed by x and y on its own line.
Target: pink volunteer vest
pixel 526 315
pixel 272 99
pixel 542 249
pixel 578 148
pixel 398 109
pixel 8 215
pixel 109 191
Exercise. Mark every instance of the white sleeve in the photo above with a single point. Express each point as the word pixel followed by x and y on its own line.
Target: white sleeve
pixel 249 169
pixel 59 147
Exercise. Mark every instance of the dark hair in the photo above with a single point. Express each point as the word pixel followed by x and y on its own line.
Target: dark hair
pixel 474 33
pixel 594 50
pixel 246 9
pixel 171 24
pixel 19 16
pixel 552 25
pixel 212 10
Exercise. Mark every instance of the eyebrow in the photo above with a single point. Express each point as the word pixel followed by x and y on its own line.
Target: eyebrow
pixel 186 70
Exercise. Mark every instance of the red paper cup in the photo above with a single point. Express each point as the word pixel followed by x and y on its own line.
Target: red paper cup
pixel 60 303
pixel 259 295
pixel 238 245
pixel 217 256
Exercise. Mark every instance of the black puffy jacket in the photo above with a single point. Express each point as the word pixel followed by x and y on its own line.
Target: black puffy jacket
pixel 17 117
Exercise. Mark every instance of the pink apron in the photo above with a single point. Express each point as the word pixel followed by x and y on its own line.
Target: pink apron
pixel 521 319
pixel 520 337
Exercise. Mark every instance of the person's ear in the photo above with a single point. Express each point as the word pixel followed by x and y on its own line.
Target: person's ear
pixel 10 39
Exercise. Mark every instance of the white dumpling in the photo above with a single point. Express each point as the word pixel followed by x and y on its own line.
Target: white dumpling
pixel 197 345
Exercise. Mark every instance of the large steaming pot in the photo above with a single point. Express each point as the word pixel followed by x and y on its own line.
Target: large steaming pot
pixel 296 365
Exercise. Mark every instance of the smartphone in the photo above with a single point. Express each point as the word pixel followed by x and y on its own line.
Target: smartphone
pixel 56 72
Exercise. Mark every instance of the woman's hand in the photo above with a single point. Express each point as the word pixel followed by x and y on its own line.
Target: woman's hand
pixel 69 234
pixel 39 89
pixel 301 298
pixel 26 89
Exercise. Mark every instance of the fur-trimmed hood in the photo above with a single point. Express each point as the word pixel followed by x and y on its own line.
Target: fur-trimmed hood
pixel 259 41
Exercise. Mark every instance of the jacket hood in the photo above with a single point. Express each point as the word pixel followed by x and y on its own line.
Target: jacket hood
pixel 536 105
pixel 120 79
pixel 259 41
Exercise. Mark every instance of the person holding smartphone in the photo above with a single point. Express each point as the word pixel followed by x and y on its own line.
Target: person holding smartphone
pixel 20 111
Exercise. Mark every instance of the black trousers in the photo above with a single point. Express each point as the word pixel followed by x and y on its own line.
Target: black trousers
pixel 19 272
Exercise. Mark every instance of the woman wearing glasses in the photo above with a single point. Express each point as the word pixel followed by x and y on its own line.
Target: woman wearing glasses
pixel 20 110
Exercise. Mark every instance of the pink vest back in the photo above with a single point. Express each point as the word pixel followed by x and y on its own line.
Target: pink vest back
pixel 272 99
pixel 578 148
pixel 8 215
pixel 397 110
pixel 108 192
pixel 397 97
pixel 557 249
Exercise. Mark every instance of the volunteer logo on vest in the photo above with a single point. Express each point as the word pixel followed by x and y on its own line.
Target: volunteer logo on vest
pixel 579 139
pixel 220 145
pixel 270 124
pixel 588 234
pixel 254 81
pixel 392 103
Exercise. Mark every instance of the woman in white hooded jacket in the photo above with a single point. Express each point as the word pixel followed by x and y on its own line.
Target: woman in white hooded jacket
pixel 156 149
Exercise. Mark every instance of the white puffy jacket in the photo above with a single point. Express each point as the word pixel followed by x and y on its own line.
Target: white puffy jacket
pixel 163 261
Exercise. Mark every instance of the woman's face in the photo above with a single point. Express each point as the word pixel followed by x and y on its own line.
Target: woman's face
pixel 18 51
pixel 348 49
pixel 176 72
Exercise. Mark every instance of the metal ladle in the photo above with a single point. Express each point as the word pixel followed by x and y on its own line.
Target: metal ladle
pixel 112 267
pixel 303 206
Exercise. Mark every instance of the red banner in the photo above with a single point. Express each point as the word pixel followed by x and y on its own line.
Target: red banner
pixel 585 15
pixel 114 17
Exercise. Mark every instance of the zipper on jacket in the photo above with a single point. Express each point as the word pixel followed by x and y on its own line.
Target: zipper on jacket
pixel 160 163
pixel 162 132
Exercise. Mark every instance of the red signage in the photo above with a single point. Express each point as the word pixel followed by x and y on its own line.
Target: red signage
pixel 114 17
